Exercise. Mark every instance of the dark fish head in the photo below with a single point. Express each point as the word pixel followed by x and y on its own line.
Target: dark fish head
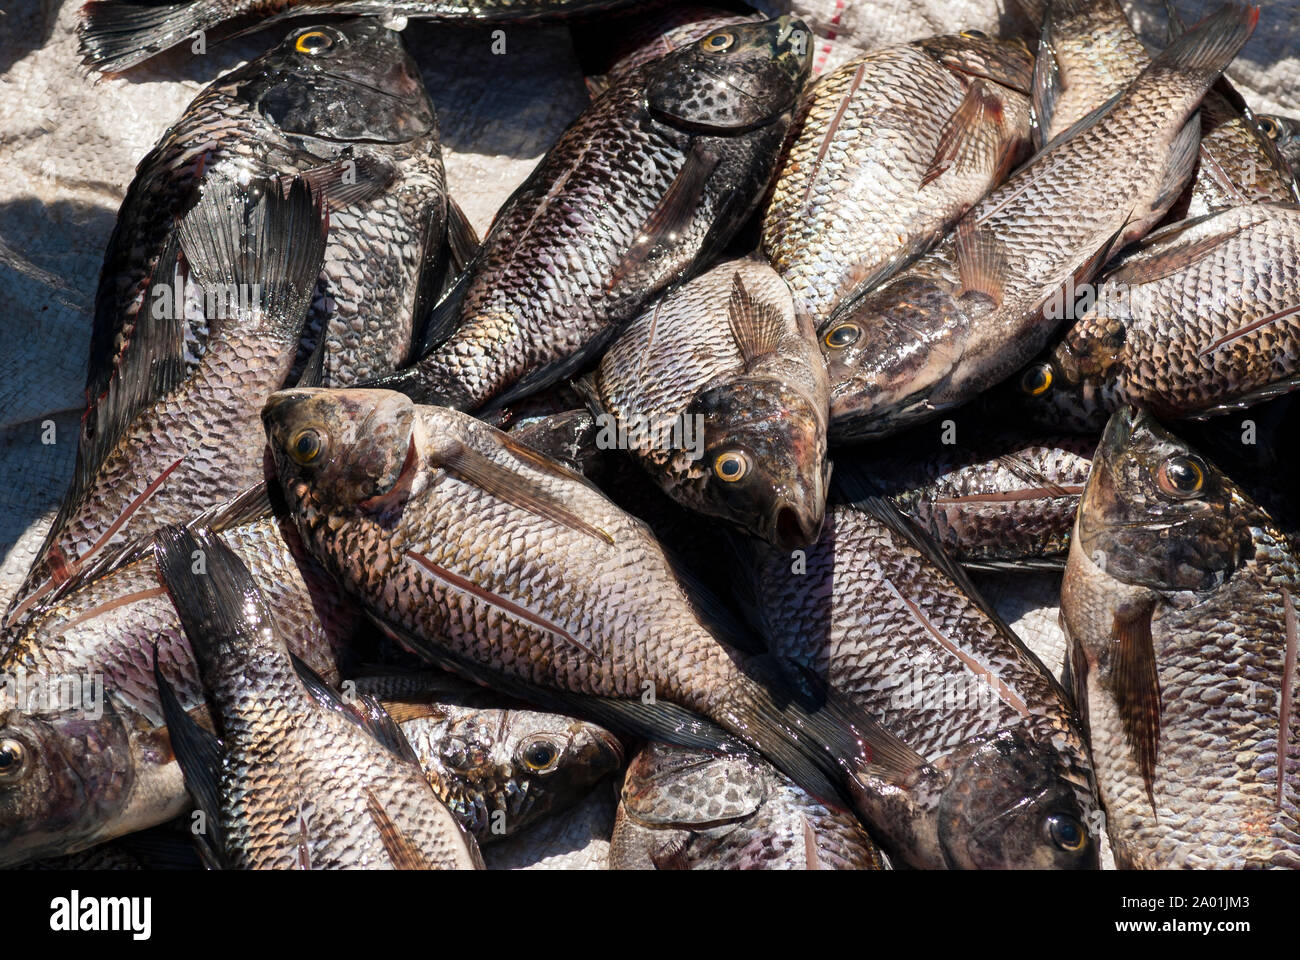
pixel 1285 133
pixel 764 456
pixel 529 766
pixel 889 353
pixel 63 776
pixel 976 54
pixel 1156 513
pixel 1052 393
pixel 340 448
pixel 1009 805
pixel 350 82
pixel 735 78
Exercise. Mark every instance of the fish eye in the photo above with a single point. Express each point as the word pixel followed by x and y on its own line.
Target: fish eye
pixel 1181 476
pixel 1270 127
pixel 843 335
pixel 974 34
pixel 539 755
pixel 717 42
pixel 731 465
pixel 1037 379
pixel 13 760
pixel 306 446
pixel 314 42
pixel 1066 832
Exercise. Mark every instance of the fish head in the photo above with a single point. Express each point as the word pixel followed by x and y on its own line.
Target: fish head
pixel 764 458
pixel 1053 393
pixel 976 54
pixel 1010 804
pixel 889 354
pixel 524 764
pixel 671 786
pixel 342 449
pixel 1156 513
pixel 64 775
pixel 349 82
pixel 736 78
pixel 1285 134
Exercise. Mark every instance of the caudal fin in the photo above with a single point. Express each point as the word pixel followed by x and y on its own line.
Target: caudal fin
pixel 827 748
pixel 1207 48
pixel 256 253
pixel 116 35
pixel 215 595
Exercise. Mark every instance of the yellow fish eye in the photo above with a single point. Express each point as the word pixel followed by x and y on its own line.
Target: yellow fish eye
pixel 731 466
pixel 1067 832
pixel 1270 127
pixel 313 42
pixel 306 446
pixel 13 760
pixel 1181 476
pixel 1037 379
pixel 842 335
pixel 717 42
pixel 974 34
pixel 539 755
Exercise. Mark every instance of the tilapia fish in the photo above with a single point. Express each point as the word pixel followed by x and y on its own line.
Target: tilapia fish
pixel 971 312
pixel 880 614
pixel 1007 501
pixel 893 148
pixel 271 789
pixel 80 707
pixel 117 34
pixel 685 809
pixel 170 443
pixel 719 391
pixel 1202 318
pixel 489 559
pixel 645 187
pixel 498 769
pixel 342 104
pixel 1180 603
pixel 1088 53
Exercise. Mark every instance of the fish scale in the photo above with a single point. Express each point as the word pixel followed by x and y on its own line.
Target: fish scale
pixel 849 198
pixel 842 620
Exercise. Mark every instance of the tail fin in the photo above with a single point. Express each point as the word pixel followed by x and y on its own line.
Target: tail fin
pixel 827 748
pixel 116 35
pixel 258 247
pixel 215 596
pixel 1207 48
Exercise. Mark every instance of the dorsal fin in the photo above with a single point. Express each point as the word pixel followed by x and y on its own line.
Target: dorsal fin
pixel 756 326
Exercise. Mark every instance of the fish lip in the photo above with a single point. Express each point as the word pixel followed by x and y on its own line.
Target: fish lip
pixel 1121 427
pixel 611 745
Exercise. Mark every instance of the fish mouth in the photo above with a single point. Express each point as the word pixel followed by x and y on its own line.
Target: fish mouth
pixel 793 527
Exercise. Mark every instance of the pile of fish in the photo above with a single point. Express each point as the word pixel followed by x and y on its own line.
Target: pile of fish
pixel 640 532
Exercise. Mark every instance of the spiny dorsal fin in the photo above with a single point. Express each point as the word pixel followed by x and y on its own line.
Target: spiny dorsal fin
pixel 756 326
